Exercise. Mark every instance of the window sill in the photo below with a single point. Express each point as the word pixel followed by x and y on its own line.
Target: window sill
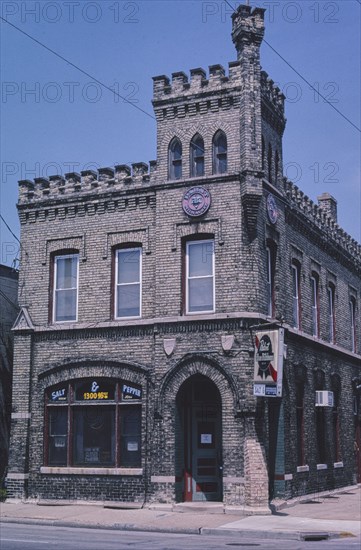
pixel 322 466
pixel 338 464
pixel 62 470
pixel 304 468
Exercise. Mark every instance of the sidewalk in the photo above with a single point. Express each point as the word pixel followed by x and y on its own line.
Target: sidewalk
pixel 336 515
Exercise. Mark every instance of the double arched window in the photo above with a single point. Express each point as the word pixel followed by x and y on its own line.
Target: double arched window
pixel 219 153
pixel 175 159
pixel 197 156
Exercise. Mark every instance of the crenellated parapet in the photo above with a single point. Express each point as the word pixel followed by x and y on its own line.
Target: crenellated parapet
pixel 73 184
pixel 273 102
pixel 317 217
pixel 198 85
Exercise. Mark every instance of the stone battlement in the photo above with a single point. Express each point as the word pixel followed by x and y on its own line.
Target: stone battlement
pixel 319 217
pixel 88 181
pixel 271 93
pixel 180 85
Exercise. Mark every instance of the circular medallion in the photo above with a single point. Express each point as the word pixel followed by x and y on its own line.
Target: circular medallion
pixel 196 201
pixel 272 209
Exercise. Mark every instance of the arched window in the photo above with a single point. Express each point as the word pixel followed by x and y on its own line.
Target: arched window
pixel 175 159
pixel 269 159
pixel 219 153
pixel 197 156
pixel 296 293
pixel 315 304
pixel 277 166
pixel 92 423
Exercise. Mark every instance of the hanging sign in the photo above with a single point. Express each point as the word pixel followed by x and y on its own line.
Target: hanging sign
pixel 268 363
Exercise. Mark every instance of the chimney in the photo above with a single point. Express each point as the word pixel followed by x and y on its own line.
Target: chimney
pixel 329 204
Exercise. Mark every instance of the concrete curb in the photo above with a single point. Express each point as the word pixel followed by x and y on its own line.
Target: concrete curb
pixel 232 533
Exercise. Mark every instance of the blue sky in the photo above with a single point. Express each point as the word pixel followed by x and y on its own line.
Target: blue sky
pixel 55 119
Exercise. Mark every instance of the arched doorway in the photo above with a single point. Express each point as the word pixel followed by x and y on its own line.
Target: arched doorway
pixel 199 439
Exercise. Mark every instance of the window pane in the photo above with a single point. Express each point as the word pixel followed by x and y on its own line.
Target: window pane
pixel 65 305
pixel 200 257
pixel 128 300
pixel 221 144
pixel 58 430
pixel 222 164
pixel 177 150
pixel 199 167
pixel 201 294
pixel 128 266
pixel 177 170
pixel 130 439
pixel 66 272
pixel 94 436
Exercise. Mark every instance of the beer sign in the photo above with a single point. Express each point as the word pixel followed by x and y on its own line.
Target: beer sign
pixel 268 363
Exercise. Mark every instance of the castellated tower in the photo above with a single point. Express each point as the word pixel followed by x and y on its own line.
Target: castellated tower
pixel 244 104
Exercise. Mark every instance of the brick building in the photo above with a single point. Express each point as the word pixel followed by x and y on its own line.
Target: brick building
pixel 144 290
pixel 8 312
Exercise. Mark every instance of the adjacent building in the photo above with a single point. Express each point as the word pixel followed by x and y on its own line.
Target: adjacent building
pixel 8 313
pixel 190 330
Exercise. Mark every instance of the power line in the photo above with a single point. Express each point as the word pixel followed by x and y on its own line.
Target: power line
pixel 77 68
pixel 9 228
pixel 305 79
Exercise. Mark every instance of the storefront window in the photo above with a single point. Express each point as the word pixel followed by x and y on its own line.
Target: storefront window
pixel 93 423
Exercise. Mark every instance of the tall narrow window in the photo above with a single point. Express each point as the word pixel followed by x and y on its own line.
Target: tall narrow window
pixel 300 393
pixel 270 257
pixel 175 159
pixel 65 295
pixel 277 165
pixel 220 153
pixel 331 312
pixel 263 153
pixel 315 305
pixel 269 160
pixel 128 268
pixel 353 323
pixel 200 276
pixel 197 156
pixel 296 295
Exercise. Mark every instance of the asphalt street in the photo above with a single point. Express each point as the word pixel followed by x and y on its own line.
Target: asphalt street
pixel 36 537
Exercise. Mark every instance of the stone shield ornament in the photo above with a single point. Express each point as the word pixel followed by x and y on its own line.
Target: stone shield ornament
pixel 169 345
pixel 227 342
pixel 196 201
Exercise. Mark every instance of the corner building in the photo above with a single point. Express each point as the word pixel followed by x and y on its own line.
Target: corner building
pixel 142 290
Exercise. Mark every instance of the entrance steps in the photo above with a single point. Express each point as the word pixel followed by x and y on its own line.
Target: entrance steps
pixel 202 507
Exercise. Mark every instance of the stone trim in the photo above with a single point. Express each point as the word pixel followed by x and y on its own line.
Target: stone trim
pixel 229 480
pixel 162 479
pixel 17 476
pixel 91 471
pixel 20 416
pixel 304 468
